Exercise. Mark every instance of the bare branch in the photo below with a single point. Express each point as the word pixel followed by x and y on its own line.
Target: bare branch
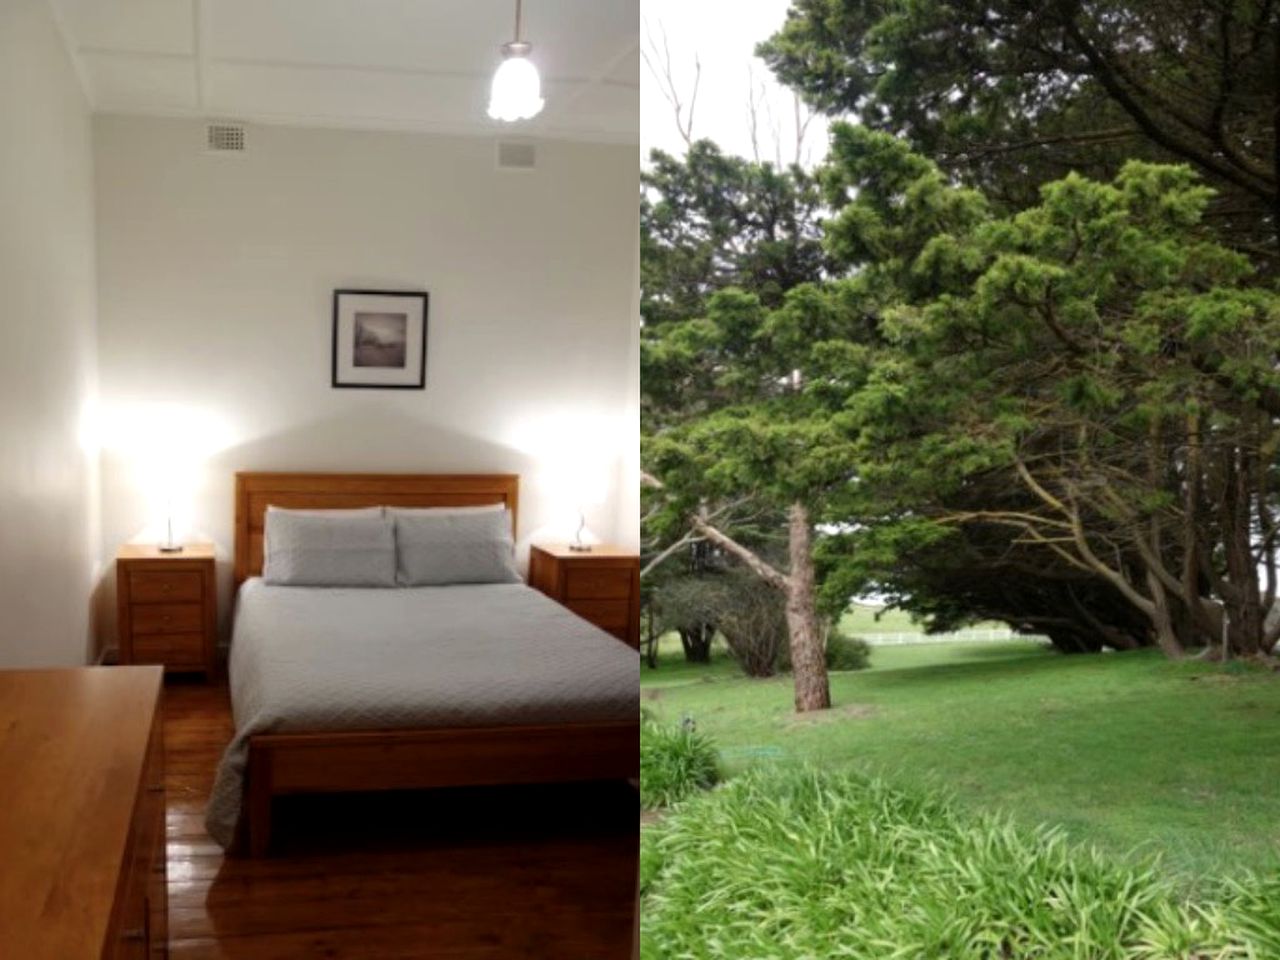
pixel 749 557
pixel 803 117
pixel 657 561
pixel 656 54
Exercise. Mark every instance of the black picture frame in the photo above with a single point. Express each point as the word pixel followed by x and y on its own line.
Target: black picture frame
pixel 344 375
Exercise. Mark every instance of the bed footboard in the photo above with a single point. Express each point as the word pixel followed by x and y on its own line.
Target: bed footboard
pixel 335 762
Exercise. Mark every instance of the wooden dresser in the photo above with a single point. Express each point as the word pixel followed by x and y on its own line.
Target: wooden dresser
pixel 602 585
pixel 82 851
pixel 167 606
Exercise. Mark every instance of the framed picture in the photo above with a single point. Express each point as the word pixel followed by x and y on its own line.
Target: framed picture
pixel 380 339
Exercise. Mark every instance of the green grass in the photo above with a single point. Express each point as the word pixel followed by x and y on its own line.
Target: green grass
pixel 862 620
pixel 1126 751
pixel 675 763
pixel 798 863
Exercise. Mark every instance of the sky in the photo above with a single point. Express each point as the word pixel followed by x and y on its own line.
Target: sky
pixel 722 34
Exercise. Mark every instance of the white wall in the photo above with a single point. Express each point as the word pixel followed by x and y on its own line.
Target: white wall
pixel 215 299
pixel 48 497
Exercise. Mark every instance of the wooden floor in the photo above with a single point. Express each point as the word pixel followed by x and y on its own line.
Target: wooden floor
pixel 509 872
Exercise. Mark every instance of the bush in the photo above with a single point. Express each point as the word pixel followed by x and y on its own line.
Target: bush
pixel 748 614
pixel 843 653
pixel 688 605
pixel 847 653
pixel 793 863
pixel 752 617
pixel 675 762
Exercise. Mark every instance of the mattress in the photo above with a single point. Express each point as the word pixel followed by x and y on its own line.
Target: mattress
pixel 324 659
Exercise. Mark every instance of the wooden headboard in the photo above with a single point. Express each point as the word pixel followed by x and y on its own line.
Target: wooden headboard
pixel 256 491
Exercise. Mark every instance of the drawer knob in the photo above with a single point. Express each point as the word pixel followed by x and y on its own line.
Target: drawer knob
pixel 134 934
pixel 167 587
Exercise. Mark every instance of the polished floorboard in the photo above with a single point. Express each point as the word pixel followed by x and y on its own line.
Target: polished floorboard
pixel 498 872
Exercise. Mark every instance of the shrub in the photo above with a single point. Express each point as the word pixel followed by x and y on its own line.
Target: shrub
pixel 688 605
pixel 675 762
pixel 793 863
pixel 843 653
pixel 749 615
pixel 752 617
pixel 847 653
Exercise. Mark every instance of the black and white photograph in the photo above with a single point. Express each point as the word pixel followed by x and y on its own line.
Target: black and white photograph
pixel 379 339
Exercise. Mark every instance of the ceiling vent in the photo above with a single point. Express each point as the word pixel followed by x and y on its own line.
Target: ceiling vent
pixel 224 138
pixel 517 155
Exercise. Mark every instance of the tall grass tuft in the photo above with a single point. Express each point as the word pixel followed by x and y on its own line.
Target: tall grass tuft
pixel 675 762
pixel 792 863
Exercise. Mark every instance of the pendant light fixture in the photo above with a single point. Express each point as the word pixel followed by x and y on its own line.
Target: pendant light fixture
pixel 517 90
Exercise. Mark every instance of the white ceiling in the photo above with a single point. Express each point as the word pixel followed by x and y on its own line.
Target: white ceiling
pixel 381 64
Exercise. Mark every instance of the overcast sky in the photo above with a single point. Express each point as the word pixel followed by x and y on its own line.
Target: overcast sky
pixel 722 34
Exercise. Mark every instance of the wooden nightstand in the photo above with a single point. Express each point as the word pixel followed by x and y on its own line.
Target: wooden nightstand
pixel 167 606
pixel 602 586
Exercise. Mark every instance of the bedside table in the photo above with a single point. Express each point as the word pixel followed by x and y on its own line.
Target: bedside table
pixel 167 606
pixel 602 585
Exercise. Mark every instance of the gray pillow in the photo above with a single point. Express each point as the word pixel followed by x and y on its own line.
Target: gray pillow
pixel 435 547
pixel 329 551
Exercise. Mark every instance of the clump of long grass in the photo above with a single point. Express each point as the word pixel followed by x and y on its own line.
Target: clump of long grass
pixel 675 763
pixel 791 863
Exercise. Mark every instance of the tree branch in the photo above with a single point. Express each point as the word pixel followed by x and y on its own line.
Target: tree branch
pixel 746 555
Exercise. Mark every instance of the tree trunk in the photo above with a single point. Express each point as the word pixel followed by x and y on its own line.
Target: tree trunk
pixel 1162 619
pixel 808 658
pixel 1243 600
pixel 697 642
pixel 805 639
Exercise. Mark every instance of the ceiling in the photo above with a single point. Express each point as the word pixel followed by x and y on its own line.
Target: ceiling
pixel 419 65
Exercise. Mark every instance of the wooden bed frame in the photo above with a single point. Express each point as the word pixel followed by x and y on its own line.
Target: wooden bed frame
pixel 326 761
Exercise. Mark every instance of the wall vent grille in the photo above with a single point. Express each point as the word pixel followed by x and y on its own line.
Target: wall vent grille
pixel 517 155
pixel 225 138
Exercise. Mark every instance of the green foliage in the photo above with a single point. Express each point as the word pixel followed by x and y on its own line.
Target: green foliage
pixel 847 653
pixel 1007 95
pixel 675 763
pixel 687 601
pixel 710 221
pixel 794 863
pixel 1078 341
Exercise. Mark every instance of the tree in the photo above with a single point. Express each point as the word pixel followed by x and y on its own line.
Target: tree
pixel 758 436
pixel 711 221
pixel 1086 386
pixel 1009 95
pixel 724 413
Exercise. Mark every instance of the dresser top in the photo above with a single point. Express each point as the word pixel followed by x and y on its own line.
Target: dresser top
pixel 151 551
pixel 73 746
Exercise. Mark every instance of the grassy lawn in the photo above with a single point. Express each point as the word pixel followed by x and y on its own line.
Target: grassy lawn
pixel 1127 751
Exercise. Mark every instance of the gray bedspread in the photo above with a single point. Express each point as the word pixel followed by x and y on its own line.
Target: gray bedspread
pixel 308 658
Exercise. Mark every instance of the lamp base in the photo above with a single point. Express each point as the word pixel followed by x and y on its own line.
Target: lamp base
pixel 580 547
pixel 169 547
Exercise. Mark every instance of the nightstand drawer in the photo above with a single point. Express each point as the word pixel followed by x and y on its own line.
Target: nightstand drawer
pixel 608 615
pixel 597 583
pixel 166 586
pixel 177 649
pixel 167 618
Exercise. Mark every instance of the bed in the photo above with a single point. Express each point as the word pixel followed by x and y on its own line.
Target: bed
pixel 349 689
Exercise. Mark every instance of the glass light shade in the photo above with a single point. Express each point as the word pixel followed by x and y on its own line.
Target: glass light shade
pixel 517 90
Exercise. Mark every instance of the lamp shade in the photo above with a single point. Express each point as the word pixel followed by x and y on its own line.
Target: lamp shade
pixel 517 90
